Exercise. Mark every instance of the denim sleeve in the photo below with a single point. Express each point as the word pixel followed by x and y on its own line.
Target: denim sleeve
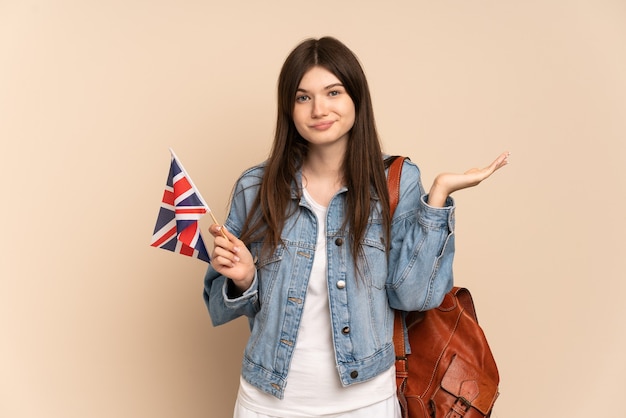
pixel 223 305
pixel 422 247
pixel 222 300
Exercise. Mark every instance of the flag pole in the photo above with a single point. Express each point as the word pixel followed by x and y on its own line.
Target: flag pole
pixel 197 191
pixel 215 220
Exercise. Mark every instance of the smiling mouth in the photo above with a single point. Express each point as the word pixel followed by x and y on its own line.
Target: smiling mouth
pixel 322 126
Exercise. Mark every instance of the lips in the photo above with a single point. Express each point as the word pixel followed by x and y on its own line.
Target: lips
pixel 322 126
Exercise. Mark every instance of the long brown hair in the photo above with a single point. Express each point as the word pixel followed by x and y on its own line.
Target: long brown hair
pixel 363 168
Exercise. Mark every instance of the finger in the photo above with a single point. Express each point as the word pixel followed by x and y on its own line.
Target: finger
pixel 502 160
pixel 229 242
pixel 225 257
pixel 228 234
pixel 236 244
pixel 224 243
pixel 498 163
pixel 215 230
pixel 221 264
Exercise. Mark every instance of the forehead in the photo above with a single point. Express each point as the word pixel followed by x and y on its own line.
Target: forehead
pixel 318 78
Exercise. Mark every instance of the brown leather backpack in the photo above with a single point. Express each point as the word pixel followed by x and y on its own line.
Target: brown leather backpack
pixel 450 372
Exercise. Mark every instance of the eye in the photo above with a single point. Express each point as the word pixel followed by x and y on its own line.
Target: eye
pixel 303 98
pixel 334 93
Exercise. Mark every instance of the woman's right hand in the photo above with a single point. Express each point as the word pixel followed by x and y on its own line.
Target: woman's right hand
pixel 231 258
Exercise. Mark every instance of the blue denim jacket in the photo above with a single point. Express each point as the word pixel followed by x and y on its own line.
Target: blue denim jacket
pixel 416 276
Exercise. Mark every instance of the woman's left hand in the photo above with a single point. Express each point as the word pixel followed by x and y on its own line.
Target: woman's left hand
pixel 447 183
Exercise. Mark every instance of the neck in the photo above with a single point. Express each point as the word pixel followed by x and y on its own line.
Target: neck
pixel 324 162
pixel 323 175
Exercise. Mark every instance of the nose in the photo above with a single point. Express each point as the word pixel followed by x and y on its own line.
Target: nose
pixel 319 108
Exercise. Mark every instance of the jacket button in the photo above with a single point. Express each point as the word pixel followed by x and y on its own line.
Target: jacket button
pixel 341 284
pixel 354 374
pixel 339 242
pixel 345 330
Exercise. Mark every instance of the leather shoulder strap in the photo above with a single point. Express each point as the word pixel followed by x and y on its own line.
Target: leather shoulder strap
pixel 393 185
pixel 393 182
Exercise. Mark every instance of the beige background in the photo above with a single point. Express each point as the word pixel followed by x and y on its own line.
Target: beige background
pixel 95 323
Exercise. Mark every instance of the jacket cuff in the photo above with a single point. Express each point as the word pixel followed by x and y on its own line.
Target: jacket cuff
pixel 234 298
pixel 433 217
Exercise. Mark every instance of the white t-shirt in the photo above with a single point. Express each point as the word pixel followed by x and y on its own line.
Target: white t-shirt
pixel 313 387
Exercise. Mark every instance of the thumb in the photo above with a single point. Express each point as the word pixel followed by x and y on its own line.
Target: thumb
pixel 217 231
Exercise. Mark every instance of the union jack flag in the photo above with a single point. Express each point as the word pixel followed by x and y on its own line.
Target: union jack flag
pixel 182 206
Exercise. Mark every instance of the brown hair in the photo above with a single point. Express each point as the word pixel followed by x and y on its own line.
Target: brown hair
pixel 362 166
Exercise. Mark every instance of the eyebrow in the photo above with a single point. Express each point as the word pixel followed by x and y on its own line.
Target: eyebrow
pixel 330 86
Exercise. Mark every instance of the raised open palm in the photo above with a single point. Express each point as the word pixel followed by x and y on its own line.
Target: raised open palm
pixel 447 183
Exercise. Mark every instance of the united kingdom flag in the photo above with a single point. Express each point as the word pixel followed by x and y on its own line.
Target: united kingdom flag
pixel 182 206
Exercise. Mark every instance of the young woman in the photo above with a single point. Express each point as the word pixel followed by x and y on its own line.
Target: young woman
pixel 310 254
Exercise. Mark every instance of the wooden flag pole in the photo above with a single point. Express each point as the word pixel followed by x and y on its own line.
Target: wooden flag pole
pixel 217 223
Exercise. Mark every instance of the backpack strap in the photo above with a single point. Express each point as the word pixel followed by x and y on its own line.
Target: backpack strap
pixel 393 182
pixel 399 338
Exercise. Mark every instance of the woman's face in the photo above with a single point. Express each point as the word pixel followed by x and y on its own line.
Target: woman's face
pixel 323 111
